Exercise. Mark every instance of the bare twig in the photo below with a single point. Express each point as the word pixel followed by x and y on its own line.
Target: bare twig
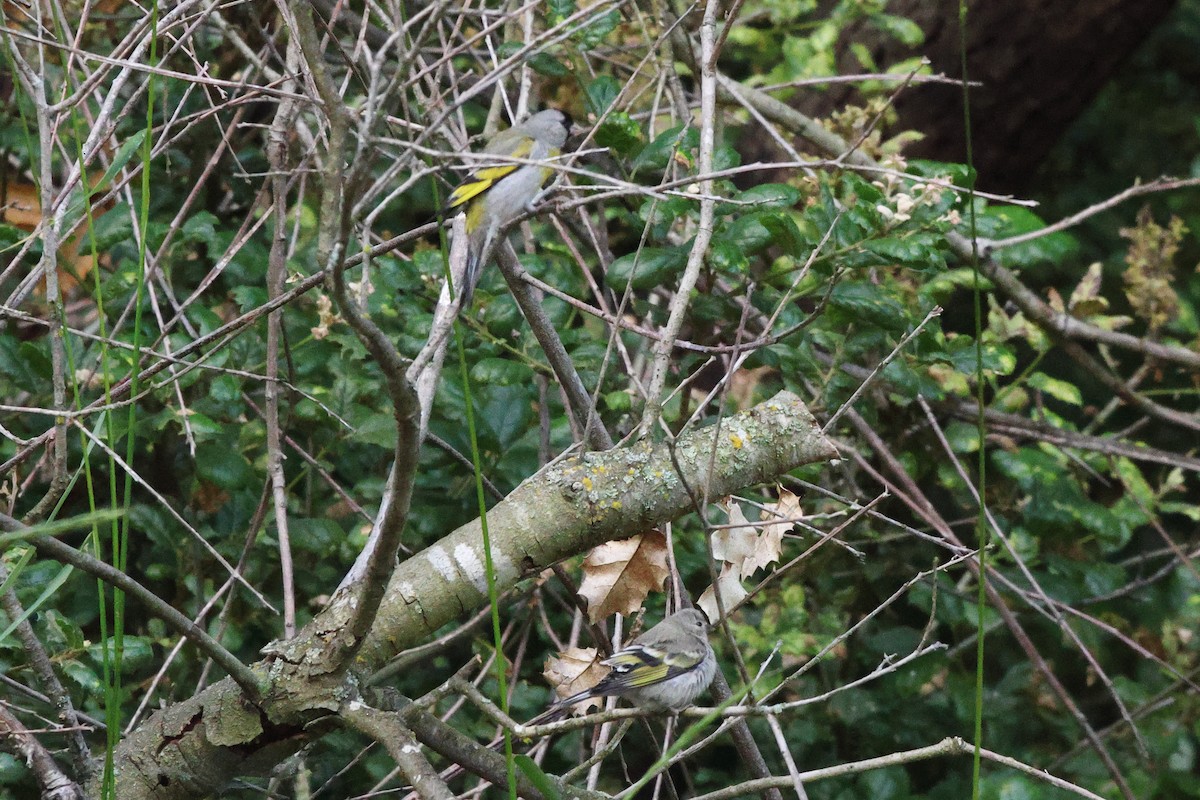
pixel 53 782
pixel 250 682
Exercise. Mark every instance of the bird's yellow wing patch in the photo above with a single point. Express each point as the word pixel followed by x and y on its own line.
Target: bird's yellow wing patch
pixel 482 179
pixel 477 184
pixel 647 675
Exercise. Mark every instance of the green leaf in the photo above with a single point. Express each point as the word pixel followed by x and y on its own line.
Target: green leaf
pixel 594 34
pixel 646 268
pixel 15 565
pixel 111 229
pixel 24 364
pixel 753 232
pixel 320 536
pixel 377 429
pixel 963 437
pixel 136 651
pixel 559 10
pixel 202 228
pixel 249 297
pixel 124 153
pixel 726 257
pixel 1056 388
pixel 904 30
pixel 508 414
pixel 220 462
pixel 869 304
pixel 619 401
pixel 202 426
pixel 225 389
pixel 83 675
pixel 726 158
pixel 49 590
pixel 620 133
pixel 942 283
pixel 908 251
pixel 657 154
pixel 601 93
pixel 1008 221
pixel 664 211
pixel 62 632
pixel 767 195
pixel 997 358
pixel 1189 510
pixel 501 372
pixel 548 65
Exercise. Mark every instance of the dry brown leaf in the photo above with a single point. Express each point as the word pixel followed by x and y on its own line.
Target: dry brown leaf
pixel 575 670
pixel 732 593
pixel 752 547
pixel 767 548
pixel 787 508
pixel 778 519
pixel 1054 299
pixel 1086 299
pixel 735 544
pixel 745 548
pixel 21 208
pixel 617 576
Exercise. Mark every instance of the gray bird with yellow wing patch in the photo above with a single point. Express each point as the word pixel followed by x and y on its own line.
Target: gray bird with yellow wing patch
pixel 498 192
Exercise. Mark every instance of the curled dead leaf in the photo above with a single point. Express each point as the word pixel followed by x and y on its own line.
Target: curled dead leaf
pixel 574 670
pixel 617 576
pixel 732 593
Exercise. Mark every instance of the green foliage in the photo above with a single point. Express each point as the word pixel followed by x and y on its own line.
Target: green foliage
pixel 848 263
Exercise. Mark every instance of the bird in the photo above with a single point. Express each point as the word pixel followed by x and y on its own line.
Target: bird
pixel 496 193
pixel 664 669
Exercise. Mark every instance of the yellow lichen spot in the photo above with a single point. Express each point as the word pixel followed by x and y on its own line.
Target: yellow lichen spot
pixel 616 505
pixel 737 441
pixel 587 483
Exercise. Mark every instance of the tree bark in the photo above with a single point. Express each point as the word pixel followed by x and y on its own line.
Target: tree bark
pixel 193 748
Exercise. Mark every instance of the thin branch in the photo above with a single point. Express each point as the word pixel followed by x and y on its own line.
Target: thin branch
pixel 1016 426
pixel 277 154
pixel 704 227
pixel 1045 602
pixel 246 678
pixel 953 746
pixel 1163 184
pixel 916 500
pixel 405 404
pixel 53 782
pixel 43 668
pixel 388 729
pixel 936 311
pixel 1033 306
pixel 564 369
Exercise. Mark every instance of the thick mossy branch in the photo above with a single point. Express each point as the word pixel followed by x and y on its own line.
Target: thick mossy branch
pixel 567 509
pixel 581 502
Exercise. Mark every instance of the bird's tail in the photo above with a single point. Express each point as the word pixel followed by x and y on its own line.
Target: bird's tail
pixel 470 276
pixel 552 714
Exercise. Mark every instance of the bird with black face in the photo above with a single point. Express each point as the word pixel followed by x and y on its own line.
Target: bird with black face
pixel 498 192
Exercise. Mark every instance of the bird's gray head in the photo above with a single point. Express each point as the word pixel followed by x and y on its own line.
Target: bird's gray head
pixel 693 618
pixel 550 126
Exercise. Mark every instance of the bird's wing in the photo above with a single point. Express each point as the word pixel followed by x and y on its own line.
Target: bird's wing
pixel 637 666
pixel 481 179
